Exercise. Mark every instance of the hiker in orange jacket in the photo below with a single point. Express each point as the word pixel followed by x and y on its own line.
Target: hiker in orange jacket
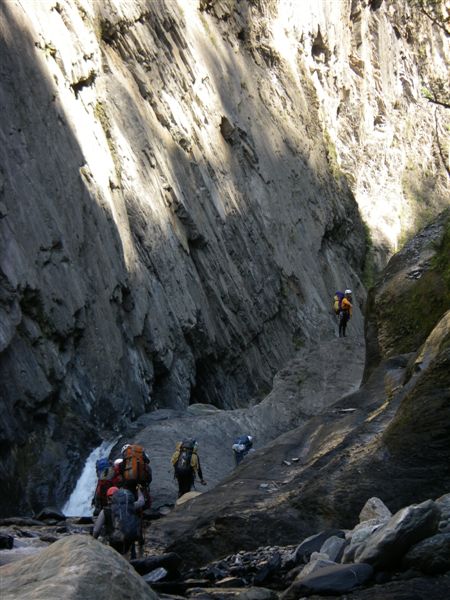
pixel 345 312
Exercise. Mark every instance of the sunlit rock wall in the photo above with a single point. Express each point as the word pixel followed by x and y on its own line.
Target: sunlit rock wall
pixel 174 214
pixel 374 65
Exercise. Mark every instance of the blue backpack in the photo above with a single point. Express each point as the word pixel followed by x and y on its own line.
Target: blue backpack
pixel 102 466
pixel 244 441
pixel 337 301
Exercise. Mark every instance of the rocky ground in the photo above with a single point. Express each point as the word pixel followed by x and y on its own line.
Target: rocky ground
pixel 400 556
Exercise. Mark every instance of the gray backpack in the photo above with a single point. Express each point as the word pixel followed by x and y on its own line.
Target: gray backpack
pixel 125 521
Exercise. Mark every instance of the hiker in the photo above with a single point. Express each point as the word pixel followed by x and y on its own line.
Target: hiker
pixel 186 464
pixel 120 521
pixel 241 447
pixel 345 312
pixel 137 474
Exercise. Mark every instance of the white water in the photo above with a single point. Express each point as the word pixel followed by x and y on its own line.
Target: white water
pixel 79 503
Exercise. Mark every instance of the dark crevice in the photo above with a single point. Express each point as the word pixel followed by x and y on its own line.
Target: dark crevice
pixel 82 83
pixel 375 4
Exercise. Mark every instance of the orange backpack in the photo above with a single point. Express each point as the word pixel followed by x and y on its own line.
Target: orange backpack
pixel 135 466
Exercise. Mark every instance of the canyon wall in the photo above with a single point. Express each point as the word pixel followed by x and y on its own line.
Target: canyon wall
pixel 183 185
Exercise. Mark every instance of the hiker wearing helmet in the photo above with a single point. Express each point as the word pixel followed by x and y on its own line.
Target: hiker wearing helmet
pixel 241 447
pixel 120 522
pixel 186 464
pixel 345 312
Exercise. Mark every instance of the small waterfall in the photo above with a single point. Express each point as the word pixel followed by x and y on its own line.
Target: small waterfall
pixel 79 503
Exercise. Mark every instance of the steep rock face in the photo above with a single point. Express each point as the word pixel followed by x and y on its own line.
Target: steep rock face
pixel 172 213
pixel 379 70
pixel 374 78
pixel 411 297
pixel 167 237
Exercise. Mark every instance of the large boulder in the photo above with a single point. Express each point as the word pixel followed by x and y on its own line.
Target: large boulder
pixel 387 546
pixel 72 568
pixel 374 508
pixel 333 579
pixel 315 543
pixel 430 556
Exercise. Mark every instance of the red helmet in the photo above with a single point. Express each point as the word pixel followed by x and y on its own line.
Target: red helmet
pixel 112 490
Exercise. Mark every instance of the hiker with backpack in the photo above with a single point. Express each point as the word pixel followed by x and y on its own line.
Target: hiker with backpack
pixel 120 521
pixel 241 447
pixel 345 312
pixel 186 464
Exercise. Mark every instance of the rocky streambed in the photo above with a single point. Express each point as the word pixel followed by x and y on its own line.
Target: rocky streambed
pixel 405 555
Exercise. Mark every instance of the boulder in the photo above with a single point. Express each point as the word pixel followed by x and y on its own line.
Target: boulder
pixel 314 543
pixel 430 556
pixel 374 508
pixel 169 561
pixel 266 569
pixel 357 536
pixel 318 561
pixel 407 527
pixel 334 547
pixel 443 503
pixel 50 513
pixel 334 579
pixel 74 567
